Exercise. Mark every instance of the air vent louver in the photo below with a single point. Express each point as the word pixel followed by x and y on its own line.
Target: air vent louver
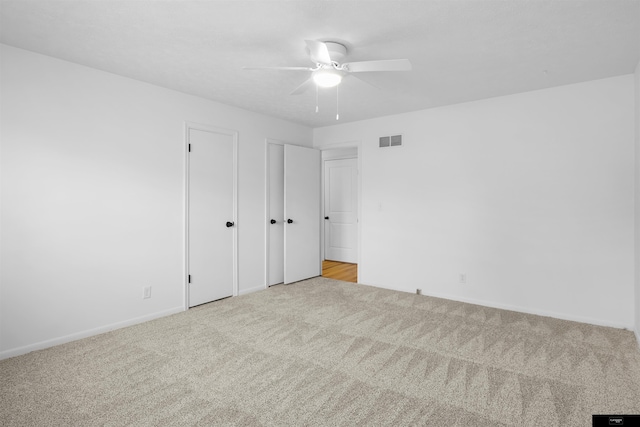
pixel 391 141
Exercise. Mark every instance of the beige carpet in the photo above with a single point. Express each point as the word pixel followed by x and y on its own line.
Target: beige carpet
pixel 323 352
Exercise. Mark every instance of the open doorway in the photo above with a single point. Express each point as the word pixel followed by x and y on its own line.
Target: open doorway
pixel 344 271
pixel 340 204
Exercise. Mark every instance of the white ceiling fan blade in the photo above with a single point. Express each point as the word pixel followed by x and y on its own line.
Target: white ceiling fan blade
pixel 318 52
pixel 362 80
pixel 279 68
pixel 382 65
pixel 303 87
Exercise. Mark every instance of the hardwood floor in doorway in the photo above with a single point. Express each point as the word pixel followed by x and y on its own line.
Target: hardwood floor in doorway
pixel 340 271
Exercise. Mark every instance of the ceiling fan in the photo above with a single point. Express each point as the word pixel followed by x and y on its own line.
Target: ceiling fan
pixel 329 72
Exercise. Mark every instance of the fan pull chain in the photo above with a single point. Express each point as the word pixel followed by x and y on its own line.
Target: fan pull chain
pixel 316 98
pixel 337 104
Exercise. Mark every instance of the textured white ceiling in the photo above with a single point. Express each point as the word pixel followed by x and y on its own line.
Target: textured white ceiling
pixel 460 50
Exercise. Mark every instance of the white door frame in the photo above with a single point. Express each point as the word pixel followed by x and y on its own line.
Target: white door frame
pixel 234 134
pixel 336 146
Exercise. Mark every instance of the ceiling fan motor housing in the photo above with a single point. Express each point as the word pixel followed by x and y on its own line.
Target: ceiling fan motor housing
pixel 337 51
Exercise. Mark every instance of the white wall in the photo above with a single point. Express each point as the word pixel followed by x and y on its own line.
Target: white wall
pixel 637 199
pixel 530 195
pixel 93 197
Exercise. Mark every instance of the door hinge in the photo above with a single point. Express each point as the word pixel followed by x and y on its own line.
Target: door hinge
pixel 189 278
pixel 189 147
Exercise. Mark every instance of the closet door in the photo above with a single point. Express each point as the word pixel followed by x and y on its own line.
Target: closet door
pixel 302 213
pixel 276 214
pixel 211 226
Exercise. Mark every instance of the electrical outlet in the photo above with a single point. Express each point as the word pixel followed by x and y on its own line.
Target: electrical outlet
pixel 463 278
pixel 146 292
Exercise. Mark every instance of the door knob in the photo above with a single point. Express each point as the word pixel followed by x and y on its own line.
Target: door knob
pixel 289 221
pixel 273 221
pixel 326 217
pixel 229 224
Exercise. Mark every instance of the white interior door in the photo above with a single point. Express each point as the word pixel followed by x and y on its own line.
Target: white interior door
pixel 341 210
pixel 302 213
pixel 276 214
pixel 211 238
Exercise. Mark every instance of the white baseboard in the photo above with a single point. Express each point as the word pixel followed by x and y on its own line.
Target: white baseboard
pixel 545 313
pixel 391 287
pixel 87 333
pixel 254 289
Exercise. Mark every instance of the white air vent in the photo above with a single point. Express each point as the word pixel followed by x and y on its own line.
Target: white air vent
pixel 391 141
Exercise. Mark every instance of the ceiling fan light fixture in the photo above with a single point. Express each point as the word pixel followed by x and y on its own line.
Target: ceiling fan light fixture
pixel 327 78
